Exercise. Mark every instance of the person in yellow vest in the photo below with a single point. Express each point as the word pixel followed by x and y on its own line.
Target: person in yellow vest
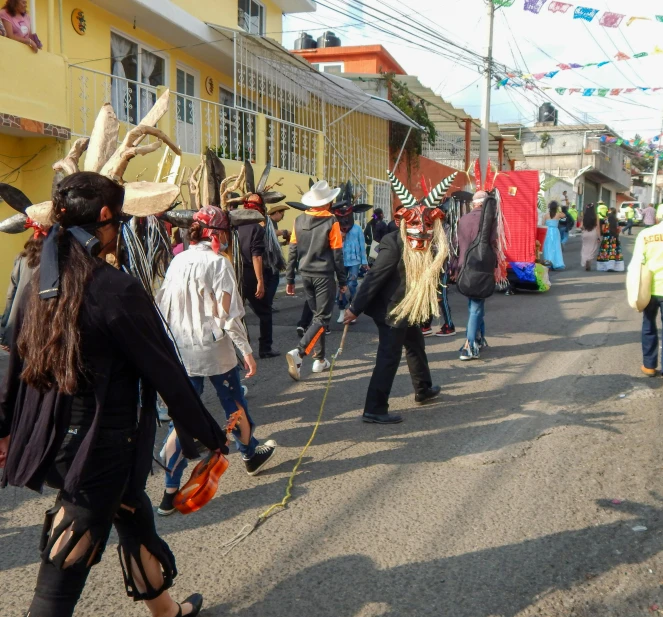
pixel 630 219
pixel 573 211
pixel 602 210
pixel 648 251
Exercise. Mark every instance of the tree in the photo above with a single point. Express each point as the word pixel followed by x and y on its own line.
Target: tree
pixel 644 159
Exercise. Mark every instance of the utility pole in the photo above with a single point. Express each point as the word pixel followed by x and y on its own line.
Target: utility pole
pixel 654 181
pixel 487 85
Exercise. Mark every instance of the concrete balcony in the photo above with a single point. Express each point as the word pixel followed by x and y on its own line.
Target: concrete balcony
pixel 33 101
pixel 611 165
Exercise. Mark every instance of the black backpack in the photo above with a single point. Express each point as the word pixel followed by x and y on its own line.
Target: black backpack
pixel 477 274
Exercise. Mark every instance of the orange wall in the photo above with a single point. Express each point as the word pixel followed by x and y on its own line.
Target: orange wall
pixel 368 59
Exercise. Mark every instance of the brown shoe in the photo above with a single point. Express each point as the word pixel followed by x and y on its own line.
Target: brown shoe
pixel 650 372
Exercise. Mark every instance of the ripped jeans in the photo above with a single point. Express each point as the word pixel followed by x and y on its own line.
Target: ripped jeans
pixel 230 393
pixel 77 527
pixel 353 281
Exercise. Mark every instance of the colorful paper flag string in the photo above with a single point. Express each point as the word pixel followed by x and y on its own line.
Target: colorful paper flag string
pixel 608 19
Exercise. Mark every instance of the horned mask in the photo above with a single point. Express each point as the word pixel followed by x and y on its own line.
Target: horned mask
pixel 344 208
pixel 419 216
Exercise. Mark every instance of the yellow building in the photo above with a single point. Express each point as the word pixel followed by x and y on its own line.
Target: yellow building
pixel 233 88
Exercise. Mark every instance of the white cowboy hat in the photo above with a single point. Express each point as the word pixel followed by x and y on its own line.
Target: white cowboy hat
pixel 320 194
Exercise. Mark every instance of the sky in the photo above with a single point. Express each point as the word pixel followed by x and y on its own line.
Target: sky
pixel 523 41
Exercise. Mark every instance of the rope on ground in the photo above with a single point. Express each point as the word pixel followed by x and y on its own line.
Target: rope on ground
pixel 247 530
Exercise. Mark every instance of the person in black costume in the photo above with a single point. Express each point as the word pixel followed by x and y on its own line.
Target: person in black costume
pixel 399 293
pixel 70 414
pixel 375 230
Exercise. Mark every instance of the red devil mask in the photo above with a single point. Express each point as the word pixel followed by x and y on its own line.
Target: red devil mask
pixel 420 216
pixel 419 224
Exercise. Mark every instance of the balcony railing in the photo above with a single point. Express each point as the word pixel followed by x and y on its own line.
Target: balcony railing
pixel 291 147
pixel 200 124
pixel 197 123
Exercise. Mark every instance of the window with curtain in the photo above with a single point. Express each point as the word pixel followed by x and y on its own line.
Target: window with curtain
pixel 251 16
pixel 136 74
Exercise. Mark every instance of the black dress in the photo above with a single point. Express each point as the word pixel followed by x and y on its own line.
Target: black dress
pixel 96 447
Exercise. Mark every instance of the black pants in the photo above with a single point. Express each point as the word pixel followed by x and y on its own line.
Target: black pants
pixel 320 295
pixel 390 350
pixel 89 513
pixel 262 307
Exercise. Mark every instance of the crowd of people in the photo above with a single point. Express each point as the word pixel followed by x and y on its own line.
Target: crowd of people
pixel 89 348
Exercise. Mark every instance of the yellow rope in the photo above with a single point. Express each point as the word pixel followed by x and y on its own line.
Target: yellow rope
pixel 247 530
pixel 288 490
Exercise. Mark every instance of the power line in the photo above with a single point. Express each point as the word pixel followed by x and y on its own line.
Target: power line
pixel 473 61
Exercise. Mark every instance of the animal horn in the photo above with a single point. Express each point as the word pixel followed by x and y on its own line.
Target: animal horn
pixel 155 114
pixel 262 184
pixel 117 164
pixel 249 177
pixel 14 197
pixel 14 224
pixel 406 198
pixel 103 141
pixel 438 192
pixel 69 164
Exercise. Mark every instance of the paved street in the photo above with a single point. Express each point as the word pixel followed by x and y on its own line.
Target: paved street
pixel 516 494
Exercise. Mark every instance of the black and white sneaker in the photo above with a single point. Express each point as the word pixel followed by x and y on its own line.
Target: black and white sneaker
pixel 260 458
pixel 300 331
pixel 166 507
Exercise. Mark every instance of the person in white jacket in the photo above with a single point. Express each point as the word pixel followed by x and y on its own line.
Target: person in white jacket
pixel 200 302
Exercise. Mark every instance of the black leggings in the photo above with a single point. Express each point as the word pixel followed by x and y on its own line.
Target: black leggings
pixel 103 499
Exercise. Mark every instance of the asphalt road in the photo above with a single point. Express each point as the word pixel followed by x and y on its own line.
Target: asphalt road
pixel 520 492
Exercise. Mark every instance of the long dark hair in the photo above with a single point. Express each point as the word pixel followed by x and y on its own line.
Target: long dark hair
pixel 11 6
pixel 49 340
pixel 552 209
pixel 589 218
pixel 612 222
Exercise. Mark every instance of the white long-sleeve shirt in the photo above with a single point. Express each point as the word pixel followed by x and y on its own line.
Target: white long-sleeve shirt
pixel 191 300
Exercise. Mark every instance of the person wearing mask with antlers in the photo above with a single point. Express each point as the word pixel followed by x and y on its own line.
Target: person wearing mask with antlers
pixel 261 255
pixel 400 292
pixel 72 415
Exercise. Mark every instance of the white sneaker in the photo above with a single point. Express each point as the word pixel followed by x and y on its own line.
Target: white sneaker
pixel 341 317
pixel 321 365
pixel 294 364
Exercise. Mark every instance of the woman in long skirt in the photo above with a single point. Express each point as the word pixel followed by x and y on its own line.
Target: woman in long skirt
pixel 610 257
pixel 591 237
pixel 552 247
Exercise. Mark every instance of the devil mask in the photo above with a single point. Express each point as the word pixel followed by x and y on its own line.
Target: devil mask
pixel 419 217
pixel 419 223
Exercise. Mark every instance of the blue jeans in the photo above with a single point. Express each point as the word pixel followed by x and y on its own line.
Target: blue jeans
pixel 230 393
pixel 476 328
pixel 650 332
pixel 564 234
pixel 353 276
pixel 629 227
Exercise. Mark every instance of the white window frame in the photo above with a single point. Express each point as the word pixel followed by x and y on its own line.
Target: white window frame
pixel 143 47
pixel 165 57
pixel 189 145
pixel 263 21
pixel 318 66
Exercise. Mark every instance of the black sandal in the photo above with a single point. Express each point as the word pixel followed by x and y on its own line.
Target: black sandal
pixel 196 600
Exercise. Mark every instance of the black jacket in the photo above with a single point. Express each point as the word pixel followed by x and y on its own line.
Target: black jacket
pixel 384 284
pixel 122 340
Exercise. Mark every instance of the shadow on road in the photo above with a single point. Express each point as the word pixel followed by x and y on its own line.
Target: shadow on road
pixel 496 581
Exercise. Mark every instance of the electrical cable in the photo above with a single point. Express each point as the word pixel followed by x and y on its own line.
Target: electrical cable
pixel 471 62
